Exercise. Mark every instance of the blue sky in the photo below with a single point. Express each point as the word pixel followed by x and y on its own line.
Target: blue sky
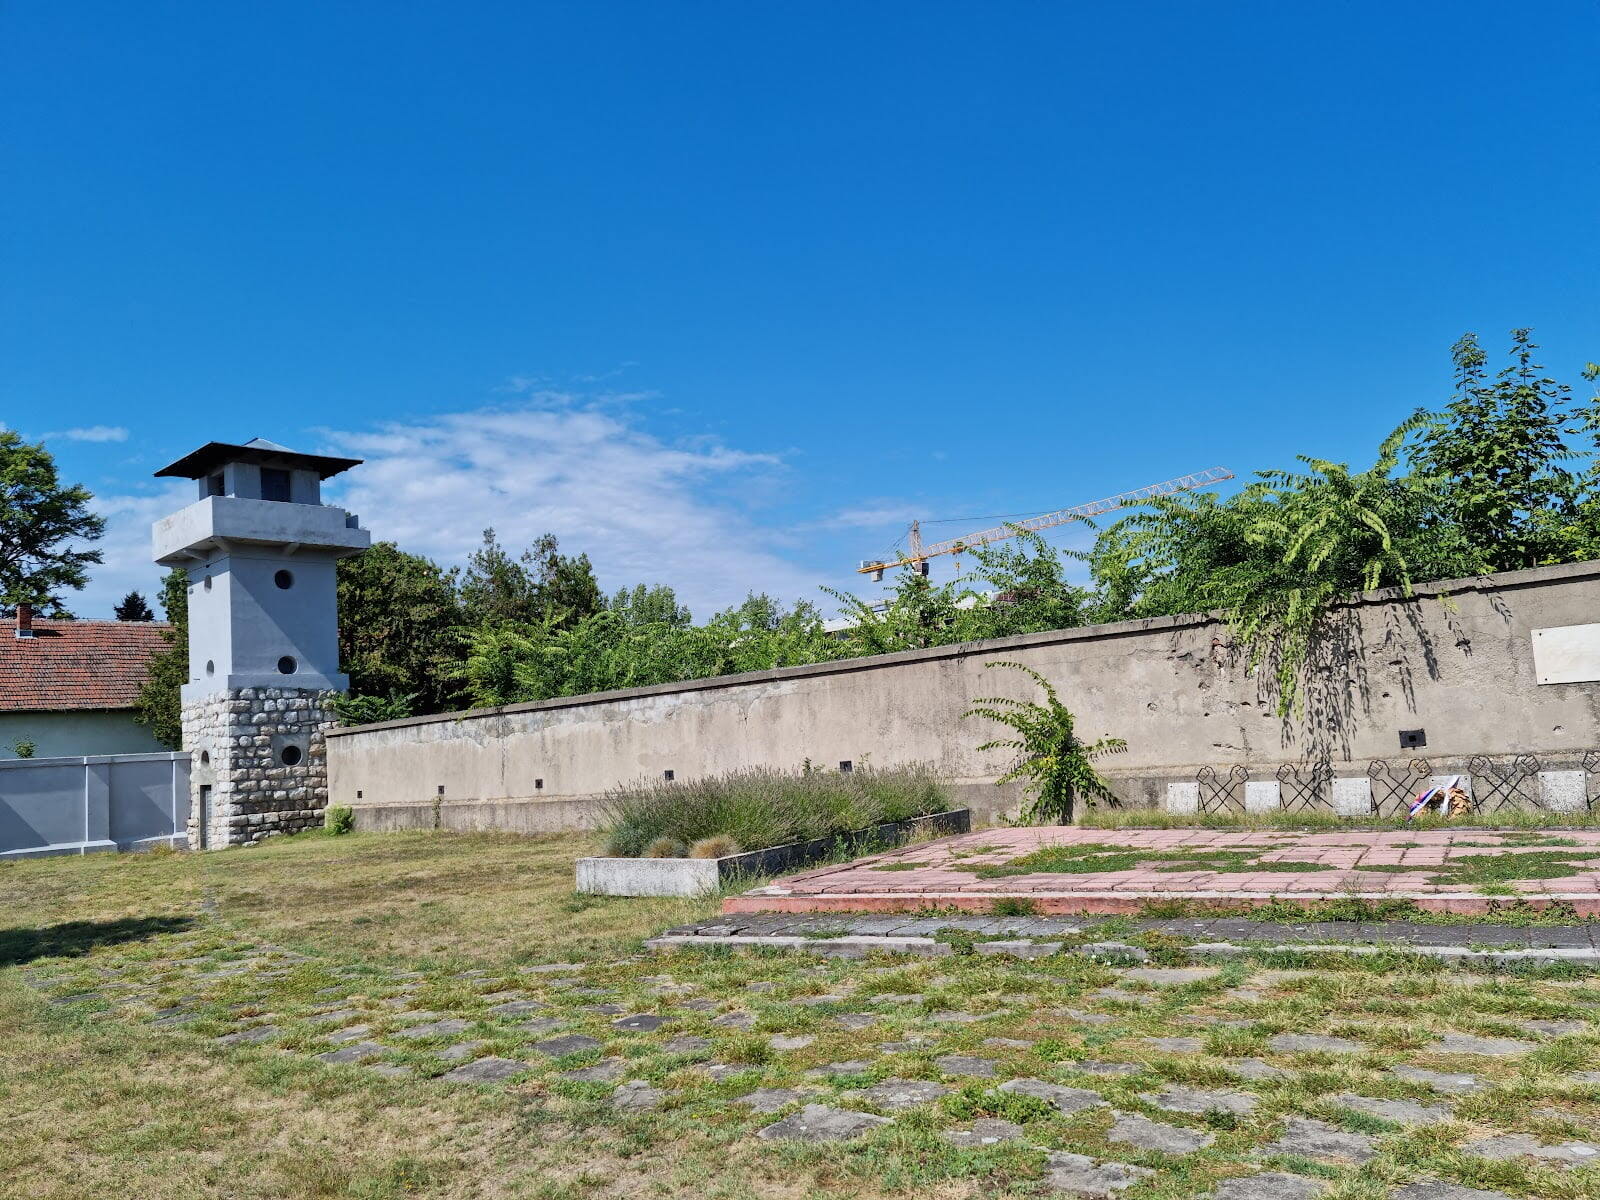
pixel 726 293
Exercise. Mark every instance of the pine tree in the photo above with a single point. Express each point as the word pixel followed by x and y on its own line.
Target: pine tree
pixel 134 607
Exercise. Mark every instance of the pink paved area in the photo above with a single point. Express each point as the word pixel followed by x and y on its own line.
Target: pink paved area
pixel 929 875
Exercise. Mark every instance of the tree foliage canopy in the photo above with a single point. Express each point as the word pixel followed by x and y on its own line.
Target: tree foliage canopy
pixel 43 525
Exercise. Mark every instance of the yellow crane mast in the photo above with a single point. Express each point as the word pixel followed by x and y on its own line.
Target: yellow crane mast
pixel 918 553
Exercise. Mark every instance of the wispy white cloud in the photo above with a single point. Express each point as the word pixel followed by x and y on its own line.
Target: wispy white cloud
pixel 869 517
pixel 90 433
pixel 125 548
pixel 645 510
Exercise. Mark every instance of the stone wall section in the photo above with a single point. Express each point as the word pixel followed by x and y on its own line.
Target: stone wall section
pixel 238 740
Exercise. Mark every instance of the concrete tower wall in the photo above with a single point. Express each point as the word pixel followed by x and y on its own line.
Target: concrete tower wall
pixel 261 551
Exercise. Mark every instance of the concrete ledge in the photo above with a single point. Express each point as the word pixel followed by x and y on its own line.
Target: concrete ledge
pixel 776 900
pixel 861 946
pixel 57 849
pixel 697 876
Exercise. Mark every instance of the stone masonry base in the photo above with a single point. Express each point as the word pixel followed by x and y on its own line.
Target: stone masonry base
pixel 259 764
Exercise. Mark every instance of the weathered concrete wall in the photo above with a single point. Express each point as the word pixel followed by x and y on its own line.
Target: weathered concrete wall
pixel 1454 660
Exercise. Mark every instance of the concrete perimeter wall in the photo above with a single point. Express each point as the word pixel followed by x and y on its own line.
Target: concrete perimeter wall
pixel 1455 660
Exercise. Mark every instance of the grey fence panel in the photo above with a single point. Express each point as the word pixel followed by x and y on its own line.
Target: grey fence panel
pixel 41 805
pixel 149 800
pixel 104 802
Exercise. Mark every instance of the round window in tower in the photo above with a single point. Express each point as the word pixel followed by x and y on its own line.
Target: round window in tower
pixel 287 665
pixel 289 756
pixel 284 579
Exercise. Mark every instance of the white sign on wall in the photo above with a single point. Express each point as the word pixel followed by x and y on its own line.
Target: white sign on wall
pixel 1567 654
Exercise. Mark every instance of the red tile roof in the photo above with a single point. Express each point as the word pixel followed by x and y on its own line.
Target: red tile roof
pixel 76 664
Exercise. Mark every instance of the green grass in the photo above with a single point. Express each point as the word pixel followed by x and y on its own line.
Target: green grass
pixel 1091 858
pixel 1102 817
pixel 1485 871
pixel 98 1102
pixel 1517 912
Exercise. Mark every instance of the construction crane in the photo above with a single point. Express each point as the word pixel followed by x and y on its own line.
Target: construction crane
pixel 917 552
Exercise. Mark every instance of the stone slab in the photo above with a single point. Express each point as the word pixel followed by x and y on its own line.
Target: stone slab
pixel 1063 1099
pixel 985 1132
pixel 1454 1083
pixel 353 1054
pixel 641 1023
pixel 769 1100
pixel 1198 1101
pixel 1269 1185
pixel 1313 1043
pixel 1081 1176
pixel 1402 1112
pixel 1262 795
pixel 1432 1189
pixel 1133 1130
pixel 1183 798
pixel 637 1096
pixel 607 1070
pixel 1468 1043
pixel 966 1064
pixel 820 1123
pixel 1352 796
pixel 897 1094
pixel 1317 1139
pixel 573 1043
pixel 485 1070
pixel 1522 1145
pixel 1564 791
pixel 447 1028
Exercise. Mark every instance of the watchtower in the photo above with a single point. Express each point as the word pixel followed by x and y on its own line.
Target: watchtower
pixel 261 551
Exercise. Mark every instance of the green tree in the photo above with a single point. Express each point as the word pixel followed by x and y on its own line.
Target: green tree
pixel 42 526
pixel 497 589
pixel 1055 763
pixel 541 585
pixel 134 607
pixel 1498 449
pixel 400 628
pixel 160 706
pixel 658 605
pixel 565 588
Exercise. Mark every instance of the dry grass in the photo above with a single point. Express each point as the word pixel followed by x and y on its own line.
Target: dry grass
pixel 94 1101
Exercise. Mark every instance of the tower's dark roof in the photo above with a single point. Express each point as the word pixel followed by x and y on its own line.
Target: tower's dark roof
pixel 257 450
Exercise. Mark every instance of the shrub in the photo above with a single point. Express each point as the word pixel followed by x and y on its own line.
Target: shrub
pixel 760 808
pixel 365 710
pixel 718 845
pixel 665 847
pixel 339 819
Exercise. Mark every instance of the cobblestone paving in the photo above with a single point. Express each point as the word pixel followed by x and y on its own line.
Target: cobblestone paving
pixel 1243 1082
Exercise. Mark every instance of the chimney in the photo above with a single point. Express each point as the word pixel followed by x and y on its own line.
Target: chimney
pixel 24 620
